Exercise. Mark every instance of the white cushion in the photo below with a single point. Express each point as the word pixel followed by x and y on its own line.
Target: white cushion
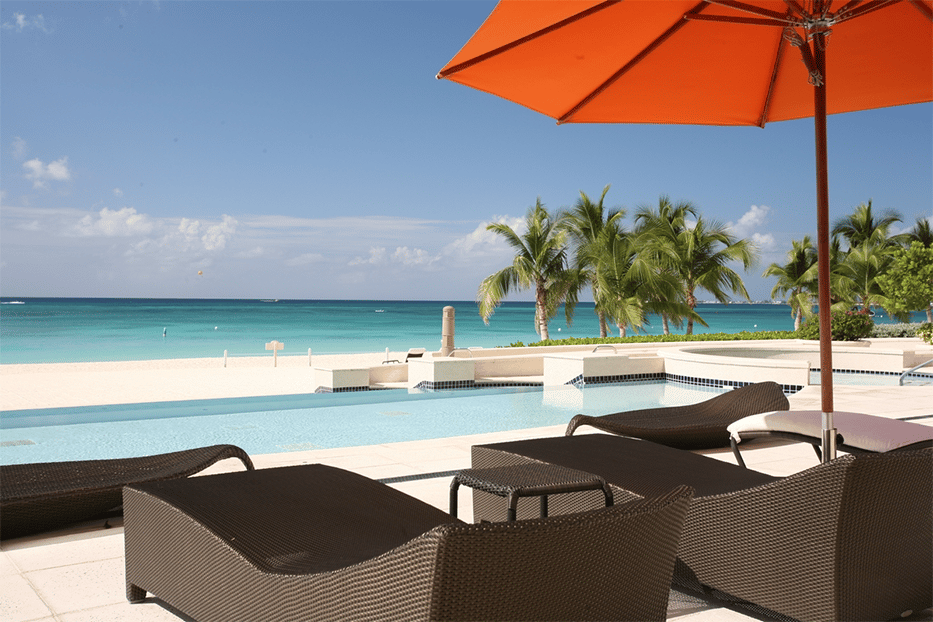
pixel 868 432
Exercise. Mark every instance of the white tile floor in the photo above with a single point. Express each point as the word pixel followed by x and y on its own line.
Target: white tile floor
pixel 77 575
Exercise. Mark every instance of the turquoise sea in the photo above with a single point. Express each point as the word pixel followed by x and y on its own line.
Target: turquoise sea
pixel 58 330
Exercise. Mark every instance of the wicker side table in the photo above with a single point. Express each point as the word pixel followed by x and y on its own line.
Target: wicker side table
pixel 527 480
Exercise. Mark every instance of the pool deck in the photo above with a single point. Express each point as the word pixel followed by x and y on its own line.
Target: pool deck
pixel 77 575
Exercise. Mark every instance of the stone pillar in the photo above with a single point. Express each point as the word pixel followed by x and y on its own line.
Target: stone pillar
pixel 447 332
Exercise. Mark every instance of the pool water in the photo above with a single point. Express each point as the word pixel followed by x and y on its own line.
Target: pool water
pixel 298 423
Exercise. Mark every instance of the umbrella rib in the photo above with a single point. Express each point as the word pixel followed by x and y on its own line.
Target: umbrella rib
pixel 530 37
pixel 863 9
pixel 766 109
pixel 632 63
pixel 731 19
pixel 799 10
pixel 923 8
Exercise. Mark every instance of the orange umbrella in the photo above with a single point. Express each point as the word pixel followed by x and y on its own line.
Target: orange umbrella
pixel 711 62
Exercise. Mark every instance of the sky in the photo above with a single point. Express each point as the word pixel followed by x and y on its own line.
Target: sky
pixel 305 150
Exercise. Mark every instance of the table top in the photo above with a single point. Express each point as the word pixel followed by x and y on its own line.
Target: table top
pixel 529 479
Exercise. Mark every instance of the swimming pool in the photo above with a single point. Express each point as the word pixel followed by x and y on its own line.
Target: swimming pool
pixel 297 423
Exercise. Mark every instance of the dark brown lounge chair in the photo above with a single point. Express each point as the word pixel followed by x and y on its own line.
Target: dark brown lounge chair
pixel 698 426
pixel 45 496
pixel 847 540
pixel 313 542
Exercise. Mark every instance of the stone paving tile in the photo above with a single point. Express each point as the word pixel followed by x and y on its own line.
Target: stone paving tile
pixel 81 586
pixel 20 601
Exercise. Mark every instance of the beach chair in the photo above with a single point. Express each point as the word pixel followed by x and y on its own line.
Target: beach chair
pixel 45 496
pixel 697 426
pixel 855 432
pixel 846 540
pixel 313 542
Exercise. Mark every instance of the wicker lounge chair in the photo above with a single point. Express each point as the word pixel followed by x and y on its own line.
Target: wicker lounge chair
pixel 847 540
pixel 313 542
pixel 46 496
pixel 698 426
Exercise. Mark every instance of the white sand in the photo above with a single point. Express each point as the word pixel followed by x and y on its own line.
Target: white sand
pixel 53 385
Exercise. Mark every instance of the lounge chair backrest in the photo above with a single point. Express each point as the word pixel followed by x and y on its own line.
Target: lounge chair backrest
pixel 885 532
pixel 827 534
pixel 608 564
pixel 695 426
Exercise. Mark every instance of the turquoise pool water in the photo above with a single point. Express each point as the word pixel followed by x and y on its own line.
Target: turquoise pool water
pixel 297 423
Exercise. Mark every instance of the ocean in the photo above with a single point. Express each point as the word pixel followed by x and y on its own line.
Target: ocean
pixel 69 330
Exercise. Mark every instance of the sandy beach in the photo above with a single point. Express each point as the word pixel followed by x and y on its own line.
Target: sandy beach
pixel 54 385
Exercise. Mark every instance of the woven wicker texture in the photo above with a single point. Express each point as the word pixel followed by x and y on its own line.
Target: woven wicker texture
pixel 231 566
pixel 698 426
pixel 45 496
pixel 848 540
pixel 539 479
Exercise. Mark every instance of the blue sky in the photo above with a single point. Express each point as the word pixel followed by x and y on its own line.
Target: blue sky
pixel 304 149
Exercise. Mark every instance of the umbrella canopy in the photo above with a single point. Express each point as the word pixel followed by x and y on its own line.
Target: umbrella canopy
pixel 709 62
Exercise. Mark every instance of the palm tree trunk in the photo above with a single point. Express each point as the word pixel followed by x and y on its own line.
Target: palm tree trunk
pixel 621 330
pixel 603 327
pixel 692 303
pixel 930 314
pixel 664 324
pixel 797 318
pixel 541 313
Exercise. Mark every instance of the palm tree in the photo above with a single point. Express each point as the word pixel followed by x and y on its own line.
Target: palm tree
pixel 863 265
pixel 920 233
pixel 540 263
pixel 658 229
pixel 868 256
pixel 862 226
pixel 798 277
pixel 699 255
pixel 630 285
pixel 589 226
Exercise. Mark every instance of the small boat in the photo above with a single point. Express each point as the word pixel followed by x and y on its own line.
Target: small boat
pixel 13 302
pixel 269 300
pixel 380 310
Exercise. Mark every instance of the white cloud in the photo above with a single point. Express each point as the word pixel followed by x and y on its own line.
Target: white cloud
pixel 18 149
pixel 482 241
pixel 189 229
pixel 755 217
pixel 413 257
pixel 304 260
pixel 117 193
pixel 115 223
pixel 377 255
pixel 764 241
pixel 40 173
pixel 21 22
pixel 215 239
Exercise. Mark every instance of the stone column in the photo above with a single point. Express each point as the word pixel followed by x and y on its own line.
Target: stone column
pixel 447 332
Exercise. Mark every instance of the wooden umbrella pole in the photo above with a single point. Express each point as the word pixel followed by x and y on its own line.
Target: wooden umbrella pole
pixel 822 232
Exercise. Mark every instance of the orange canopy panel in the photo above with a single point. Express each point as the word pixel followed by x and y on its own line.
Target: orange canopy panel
pixel 642 61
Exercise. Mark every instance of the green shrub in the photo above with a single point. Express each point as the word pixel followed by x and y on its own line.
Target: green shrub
pixel 902 329
pixel 742 336
pixel 845 326
pixel 925 332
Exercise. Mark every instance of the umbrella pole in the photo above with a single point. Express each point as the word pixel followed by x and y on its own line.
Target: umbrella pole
pixel 822 233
